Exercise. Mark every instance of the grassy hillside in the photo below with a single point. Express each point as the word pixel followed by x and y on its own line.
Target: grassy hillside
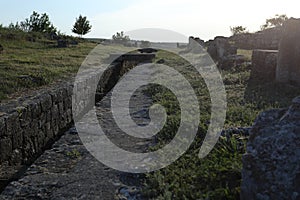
pixel 29 60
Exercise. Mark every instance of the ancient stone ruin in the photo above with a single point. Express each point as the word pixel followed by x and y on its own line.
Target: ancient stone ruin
pixel 220 48
pixel 288 67
pixel 195 45
pixel 264 65
pixel 271 165
pixel 30 124
pixel 266 39
pixel 282 65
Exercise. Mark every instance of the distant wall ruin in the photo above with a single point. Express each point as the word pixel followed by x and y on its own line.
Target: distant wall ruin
pixel 267 39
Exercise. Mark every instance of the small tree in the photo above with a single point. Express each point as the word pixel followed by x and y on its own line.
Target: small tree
pixel 238 30
pixel 25 25
pixel 276 21
pixel 38 23
pixel 120 38
pixel 82 26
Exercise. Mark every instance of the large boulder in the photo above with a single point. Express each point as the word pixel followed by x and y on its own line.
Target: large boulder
pixel 288 67
pixel 271 165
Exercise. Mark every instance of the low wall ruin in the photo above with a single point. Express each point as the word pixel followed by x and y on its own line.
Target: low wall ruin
pixel 29 125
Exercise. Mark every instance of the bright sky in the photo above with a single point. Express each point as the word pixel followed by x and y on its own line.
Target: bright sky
pixel 204 19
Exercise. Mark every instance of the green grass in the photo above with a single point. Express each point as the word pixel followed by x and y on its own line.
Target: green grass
pixel 217 176
pixel 40 61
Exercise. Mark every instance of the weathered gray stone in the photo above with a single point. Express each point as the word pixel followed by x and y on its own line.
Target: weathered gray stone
pixel 220 48
pixel 195 45
pixel 55 112
pixel 2 127
pixel 35 108
pixel 46 102
pixel 17 139
pixel 266 39
pixel 16 157
pixel 5 149
pixel 288 68
pixel 264 65
pixel 12 123
pixel 25 116
pixel 271 165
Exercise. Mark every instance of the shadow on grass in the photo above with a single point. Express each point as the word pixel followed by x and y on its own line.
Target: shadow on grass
pixel 263 93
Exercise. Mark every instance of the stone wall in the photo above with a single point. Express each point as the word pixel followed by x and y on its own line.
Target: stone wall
pixel 288 68
pixel 220 48
pixel 28 125
pixel 26 129
pixel 267 39
pixel 264 64
pixel 271 165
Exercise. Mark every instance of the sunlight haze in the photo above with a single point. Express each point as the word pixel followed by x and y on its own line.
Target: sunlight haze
pixel 204 19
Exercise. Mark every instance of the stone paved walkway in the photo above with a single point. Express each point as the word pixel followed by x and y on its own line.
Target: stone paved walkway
pixel 69 171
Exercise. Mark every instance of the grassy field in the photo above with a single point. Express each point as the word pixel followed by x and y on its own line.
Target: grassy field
pixel 217 176
pixel 29 61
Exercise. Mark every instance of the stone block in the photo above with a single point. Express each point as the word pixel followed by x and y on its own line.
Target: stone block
pixel 288 68
pixel 264 65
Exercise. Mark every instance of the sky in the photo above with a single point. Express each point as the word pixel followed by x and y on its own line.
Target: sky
pixel 199 18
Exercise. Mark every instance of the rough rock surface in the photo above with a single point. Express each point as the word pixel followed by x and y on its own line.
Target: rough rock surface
pixel 271 165
pixel 195 45
pixel 288 68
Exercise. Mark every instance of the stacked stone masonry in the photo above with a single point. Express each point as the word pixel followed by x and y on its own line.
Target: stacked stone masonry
pixel 29 124
pixel 25 130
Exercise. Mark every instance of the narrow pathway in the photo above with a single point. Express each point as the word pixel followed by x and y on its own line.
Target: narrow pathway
pixel 69 171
